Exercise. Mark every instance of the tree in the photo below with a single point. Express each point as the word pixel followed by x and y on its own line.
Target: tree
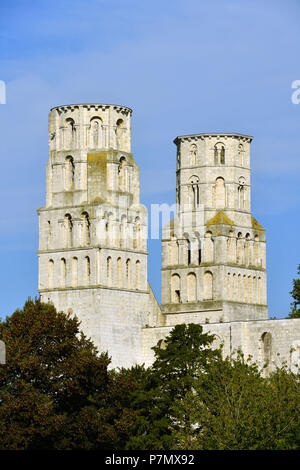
pixel 55 390
pixel 193 399
pixel 295 293
pixel 233 407
pixel 184 355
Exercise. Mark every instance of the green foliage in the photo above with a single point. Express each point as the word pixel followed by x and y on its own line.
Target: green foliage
pixel 193 399
pixel 295 293
pixel 184 356
pixel 55 391
pixel 234 407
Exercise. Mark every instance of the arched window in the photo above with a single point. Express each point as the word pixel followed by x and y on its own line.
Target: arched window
pixel 69 173
pixel 254 291
pixel 86 229
pixel 239 296
pixel 199 247
pixel 239 249
pixel 231 247
pixel 175 289
pixel 208 285
pixel 193 154
pixel 219 154
pixel 74 271
pixel 71 133
pixel 63 272
pixel 249 290
pixel 119 132
pixel 138 274
pixel 247 249
pixel 137 234
pixel 229 293
pixel 220 193
pixel 87 270
pixel 189 252
pixel 191 287
pixel 109 232
pixel 49 234
pixel 259 293
pixel 128 273
pixel 234 287
pixel 242 193
pixel 173 250
pixel 241 155
pixel 188 249
pixel 216 155
pixel 222 157
pixel 122 174
pixel 208 248
pixel 68 231
pixel 108 271
pixel 50 273
pixel 245 292
pixel 119 272
pixel 193 191
pixel 95 132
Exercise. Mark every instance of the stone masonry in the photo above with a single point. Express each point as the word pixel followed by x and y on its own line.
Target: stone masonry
pixel 93 242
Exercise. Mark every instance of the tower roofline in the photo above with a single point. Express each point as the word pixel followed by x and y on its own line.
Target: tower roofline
pixel 212 134
pixel 105 105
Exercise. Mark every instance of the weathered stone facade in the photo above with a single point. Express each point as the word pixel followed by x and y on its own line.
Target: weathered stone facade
pixel 213 251
pixel 93 242
pixel 93 229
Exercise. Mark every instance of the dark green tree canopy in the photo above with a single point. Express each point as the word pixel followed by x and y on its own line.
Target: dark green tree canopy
pixel 179 360
pixel 55 390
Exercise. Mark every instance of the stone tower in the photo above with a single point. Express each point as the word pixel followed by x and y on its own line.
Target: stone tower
pixel 213 251
pixel 93 243
pixel 93 229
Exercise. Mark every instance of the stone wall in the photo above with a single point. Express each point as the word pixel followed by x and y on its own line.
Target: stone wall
pixel 93 230
pixel 283 345
pixel 93 242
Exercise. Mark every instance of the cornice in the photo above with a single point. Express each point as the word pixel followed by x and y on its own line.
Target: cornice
pixel 88 106
pixel 202 136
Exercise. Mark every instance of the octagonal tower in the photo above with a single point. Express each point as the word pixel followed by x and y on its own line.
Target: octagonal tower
pixel 213 251
pixel 93 229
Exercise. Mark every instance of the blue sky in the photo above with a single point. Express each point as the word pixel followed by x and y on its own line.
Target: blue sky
pixel 183 66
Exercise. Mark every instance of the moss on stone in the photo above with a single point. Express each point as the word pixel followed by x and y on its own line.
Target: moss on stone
pixel 255 224
pixel 219 219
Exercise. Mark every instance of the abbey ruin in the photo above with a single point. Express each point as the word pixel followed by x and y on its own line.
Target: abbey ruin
pixel 93 242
